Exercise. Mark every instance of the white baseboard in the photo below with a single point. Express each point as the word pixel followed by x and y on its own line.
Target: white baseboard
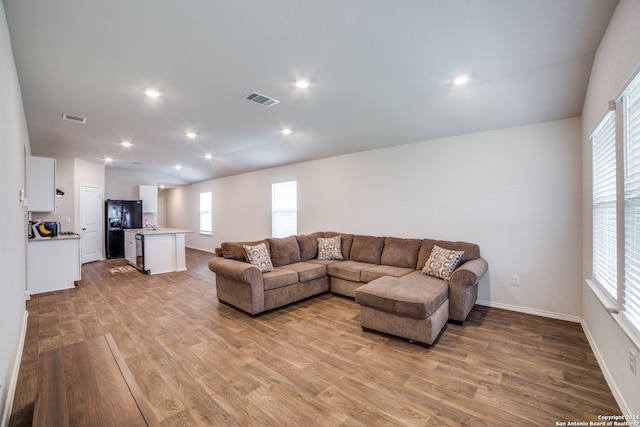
pixel 8 404
pixel 605 371
pixel 536 312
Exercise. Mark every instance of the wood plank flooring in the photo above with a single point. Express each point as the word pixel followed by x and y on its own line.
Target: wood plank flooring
pixel 202 363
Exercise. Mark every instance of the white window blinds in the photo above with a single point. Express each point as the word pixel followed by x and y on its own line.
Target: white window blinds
pixel 205 213
pixel 284 208
pixel 631 304
pixel 604 205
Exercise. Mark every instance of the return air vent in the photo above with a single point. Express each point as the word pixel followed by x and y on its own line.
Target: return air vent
pixel 74 118
pixel 261 99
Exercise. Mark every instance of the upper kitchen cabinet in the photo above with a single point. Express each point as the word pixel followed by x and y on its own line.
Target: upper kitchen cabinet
pixel 41 184
pixel 149 196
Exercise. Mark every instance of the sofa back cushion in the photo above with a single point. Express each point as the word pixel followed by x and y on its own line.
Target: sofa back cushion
pixel 284 251
pixel 400 252
pixel 308 246
pixel 235 250
pixel 347 241
pixel 367 249
pixel 471 250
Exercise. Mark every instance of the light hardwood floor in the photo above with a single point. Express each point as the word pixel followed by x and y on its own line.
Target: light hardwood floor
pixel 202 363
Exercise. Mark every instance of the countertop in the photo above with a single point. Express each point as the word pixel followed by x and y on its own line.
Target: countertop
pixel 151 231
pixel 57 238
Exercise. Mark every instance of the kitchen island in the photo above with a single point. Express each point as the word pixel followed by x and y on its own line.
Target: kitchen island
pixel 156 251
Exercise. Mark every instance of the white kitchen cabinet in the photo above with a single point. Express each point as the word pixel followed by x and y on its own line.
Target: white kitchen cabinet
pixel 41 184
pixel 149 196
pixel 52 264
pixel 130 247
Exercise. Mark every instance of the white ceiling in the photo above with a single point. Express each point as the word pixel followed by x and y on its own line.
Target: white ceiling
pixel 380 72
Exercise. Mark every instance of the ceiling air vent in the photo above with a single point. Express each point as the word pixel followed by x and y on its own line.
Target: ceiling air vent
pixel 261 99
pixel 74 118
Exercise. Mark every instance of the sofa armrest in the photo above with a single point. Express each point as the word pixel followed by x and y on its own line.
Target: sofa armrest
pixel 463 289
pixel 236 270
pixel 469 273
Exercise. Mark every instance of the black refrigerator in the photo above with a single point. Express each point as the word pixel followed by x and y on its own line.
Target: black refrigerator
pixel 120 215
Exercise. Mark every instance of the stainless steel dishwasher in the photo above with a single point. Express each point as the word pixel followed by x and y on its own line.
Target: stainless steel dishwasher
pixel 140 252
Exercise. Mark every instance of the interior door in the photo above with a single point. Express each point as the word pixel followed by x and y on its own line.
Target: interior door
pixel 91 223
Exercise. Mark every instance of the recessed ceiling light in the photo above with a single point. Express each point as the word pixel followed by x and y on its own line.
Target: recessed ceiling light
pixel 107 159
pixel 458 81
pixel 191 135
pixel 126 144
pixel 302 84
pixel 286 131
pixel 207 156
pixel 152 93
pixel 178 167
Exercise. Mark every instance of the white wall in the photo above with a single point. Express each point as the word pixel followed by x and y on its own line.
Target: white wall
pixel 617 58
pixel 516 192
pixel 14 143
pixel 123 185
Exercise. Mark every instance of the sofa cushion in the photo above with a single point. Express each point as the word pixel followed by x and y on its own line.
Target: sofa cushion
pixel 411 298
pixel 258 255
pixel 378 271
pixel 348 270
pixel 308 246
pixel 442 262
pixel 278 278
pixel 330 248
pixel 367 249
pixel 400 252
pixel 471 250
pixel 323 261
pixel 347 241
pixel 284 251
pixel 235 250
pixel 308 271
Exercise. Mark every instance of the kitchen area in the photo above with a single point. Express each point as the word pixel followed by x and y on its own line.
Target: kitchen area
pixel 132 233
pixel 53 254
pixel 70 222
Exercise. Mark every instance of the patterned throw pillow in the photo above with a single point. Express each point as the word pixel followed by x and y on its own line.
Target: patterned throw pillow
pixel 330 247
pixel 442 262
pixel 258 255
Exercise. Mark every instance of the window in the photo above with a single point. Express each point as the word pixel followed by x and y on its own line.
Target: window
pixel 205 213
pixel 631 289
pixel 604 205
pixel 616 209
pixel 284 209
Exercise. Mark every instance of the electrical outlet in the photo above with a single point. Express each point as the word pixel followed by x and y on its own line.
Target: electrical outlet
pixel 632 361
pixel 515 280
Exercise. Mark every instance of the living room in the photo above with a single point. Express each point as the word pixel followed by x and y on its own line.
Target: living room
pixel 523 193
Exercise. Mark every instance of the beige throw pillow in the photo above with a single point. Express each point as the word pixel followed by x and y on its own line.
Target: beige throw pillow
pixel 330 247
pixel 258 255
pixel 442 262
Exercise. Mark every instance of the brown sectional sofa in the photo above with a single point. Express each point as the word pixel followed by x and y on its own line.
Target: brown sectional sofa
pixel 298 274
